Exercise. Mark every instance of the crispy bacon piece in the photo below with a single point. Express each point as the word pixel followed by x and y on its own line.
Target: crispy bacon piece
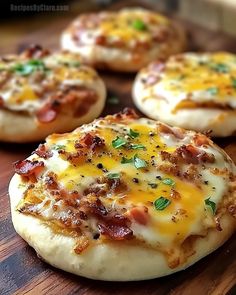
pixel 43 152
pixel 176 132
pixel 46 114
pixel 115 231
pixel 29 169
pixel 92 141
pixel 201 139
pixel 192 155
pixel 35 51
pixel 1 102
pixel 140 215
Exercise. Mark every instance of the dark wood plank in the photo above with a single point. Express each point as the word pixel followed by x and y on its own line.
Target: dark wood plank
pixel 21 272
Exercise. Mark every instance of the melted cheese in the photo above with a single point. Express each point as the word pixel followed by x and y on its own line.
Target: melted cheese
pixel 29 92
pixel 185 216
pixel 192 78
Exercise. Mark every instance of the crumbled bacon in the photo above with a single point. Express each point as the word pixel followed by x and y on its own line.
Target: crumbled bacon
pixel 176 132
pixel 46 114
pixel 175 195
pixel 92 141
pixel 35 51
pixel 192 155
pixel 140 215
pixel 1 102
pixel 43 152
pixel 101 40
pixel 115 231
pixel 29 169
pixel 201 139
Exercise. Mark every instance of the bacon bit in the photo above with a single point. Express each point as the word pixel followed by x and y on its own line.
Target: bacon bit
pixel 192 155
pixel 46 114
pixel 97 208
pixel 35 51
pixel 170 169
pixel 201 139
pixel 115 232
pixel 218 226
pixel 43 152
pixel 232 210
pixel 176 132
pixel 92 141
pixel 101 40
pixel 27 167
pixel 1 102
pixel 175 195
pixel 81 245
pixel 140 215
pixel 74 158
pixel 51 181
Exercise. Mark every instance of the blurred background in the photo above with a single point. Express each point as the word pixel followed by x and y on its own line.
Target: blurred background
pixel 24 22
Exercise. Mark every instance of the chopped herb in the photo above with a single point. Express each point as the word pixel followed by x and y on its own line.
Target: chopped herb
pixel 59 147
pixel 126 161
pixel 29 67
pixel 113 100
pixel 161 203
pixel 139 163
pixel 220 68
pixel 133 134
pixel 70 63
pixel 168 181
pixel 118 142
pixel 211 204
pixel 113 175
pixel 139 25
pixel 153 185
pixel 137 147
pixel 212 90
pixel 234 83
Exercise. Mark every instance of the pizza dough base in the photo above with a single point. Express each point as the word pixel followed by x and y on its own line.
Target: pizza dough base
pixel 111 261
pixel 221 122
pixel 121 59
pixel 24 127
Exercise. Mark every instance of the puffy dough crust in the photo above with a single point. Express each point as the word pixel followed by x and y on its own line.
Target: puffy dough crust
pixel 122 59
pixel 221 122
pixel 113 261
pixel 24 127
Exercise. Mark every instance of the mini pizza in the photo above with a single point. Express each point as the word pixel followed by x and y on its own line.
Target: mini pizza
pixel 126 40
pixel 191 90
pixel 43 92
pixel 124 198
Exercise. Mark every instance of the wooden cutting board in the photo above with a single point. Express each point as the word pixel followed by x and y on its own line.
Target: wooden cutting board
pixel 22 272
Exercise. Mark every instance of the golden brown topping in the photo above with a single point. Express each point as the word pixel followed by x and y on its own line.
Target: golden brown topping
pixel 29 169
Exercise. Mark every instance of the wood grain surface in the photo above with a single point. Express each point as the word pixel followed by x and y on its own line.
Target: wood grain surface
pixel 21 271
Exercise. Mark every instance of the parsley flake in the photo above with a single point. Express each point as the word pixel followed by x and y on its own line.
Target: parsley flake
pixel 139 25
pixel 126 160
pixel 113 100
pixel 168 181
pixel 118 142
pixel 139 163
pixel 212 90
pixel 113 175
pixel 161 203
pixel 211 204
pixel 220 68
pixel 137 147
pixel 133 134
pixel 29 67
pixel 59 147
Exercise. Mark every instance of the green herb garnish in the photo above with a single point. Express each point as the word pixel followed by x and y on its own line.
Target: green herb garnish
pixel 139 163
pixel 212 90
pixel 139 25
pixel 161 203
pixel 113 175
pixel 168 181
pixel 133 134
pixel 118 142
pixel 126 160
pixel 29 67
pixel 234 83
pixel 211 204
pixel 59 147
pixel 220 68
pixel 113 100
pixel 137 147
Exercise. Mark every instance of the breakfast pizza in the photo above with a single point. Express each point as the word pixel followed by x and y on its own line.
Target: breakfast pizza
pixel 190 90
pixel 124 198
pixel 125 40
pixel 43 92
